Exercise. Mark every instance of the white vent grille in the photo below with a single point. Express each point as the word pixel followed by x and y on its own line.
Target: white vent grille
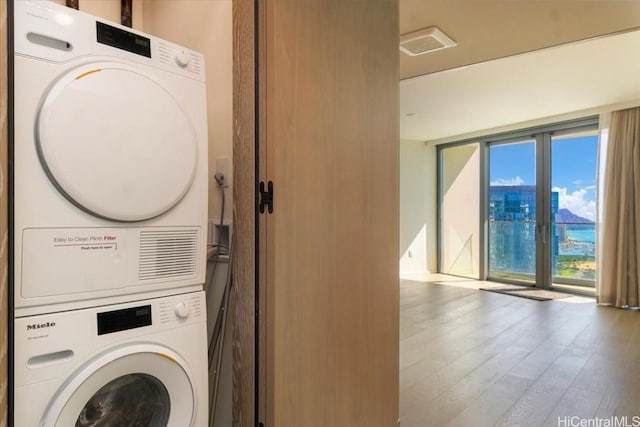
pixel 424 41
pixel 166 54
pixel 168 254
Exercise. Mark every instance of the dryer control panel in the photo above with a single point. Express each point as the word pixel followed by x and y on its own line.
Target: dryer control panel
pixel 60 34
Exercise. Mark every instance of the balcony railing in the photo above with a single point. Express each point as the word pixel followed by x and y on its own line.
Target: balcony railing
pixel 576 260
pixel 512 251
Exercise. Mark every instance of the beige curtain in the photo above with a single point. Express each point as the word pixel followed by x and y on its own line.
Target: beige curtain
pixel 619 278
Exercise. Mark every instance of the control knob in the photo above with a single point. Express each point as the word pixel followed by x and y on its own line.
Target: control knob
pixel 181 310
pixel 181 58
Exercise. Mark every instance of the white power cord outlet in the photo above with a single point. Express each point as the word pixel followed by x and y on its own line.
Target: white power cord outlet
pixel 223 171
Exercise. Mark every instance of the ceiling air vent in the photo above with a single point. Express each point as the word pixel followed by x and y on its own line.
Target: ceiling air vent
pixel 424 41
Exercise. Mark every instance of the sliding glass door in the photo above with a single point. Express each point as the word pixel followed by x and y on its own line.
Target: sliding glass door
pixel 520 207
pixel 512 211
pixel 541 207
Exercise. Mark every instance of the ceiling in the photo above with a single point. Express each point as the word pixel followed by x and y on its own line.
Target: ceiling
pixel 548 85
pixel 516 63
pixel 491 29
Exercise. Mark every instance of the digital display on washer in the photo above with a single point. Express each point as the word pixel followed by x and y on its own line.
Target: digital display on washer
pixel 122 320
pixel 122 39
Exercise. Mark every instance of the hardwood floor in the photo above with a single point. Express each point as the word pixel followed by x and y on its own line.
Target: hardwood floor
pixel 476 358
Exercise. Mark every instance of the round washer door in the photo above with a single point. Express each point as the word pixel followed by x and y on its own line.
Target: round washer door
pixel 141 384
pixel 115 142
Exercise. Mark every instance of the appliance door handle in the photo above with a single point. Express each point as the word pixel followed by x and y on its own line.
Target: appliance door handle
pixel 49 359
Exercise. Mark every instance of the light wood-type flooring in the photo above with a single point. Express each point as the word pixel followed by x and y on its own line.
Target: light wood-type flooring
pixel 475 358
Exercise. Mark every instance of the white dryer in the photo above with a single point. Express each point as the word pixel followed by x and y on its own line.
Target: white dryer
pixel 110 162
pixel 142 363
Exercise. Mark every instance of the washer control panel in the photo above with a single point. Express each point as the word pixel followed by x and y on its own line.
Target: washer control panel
pixel 47 345
pixel 124 319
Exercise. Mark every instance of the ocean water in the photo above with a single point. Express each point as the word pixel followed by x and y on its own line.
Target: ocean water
pixel 585 236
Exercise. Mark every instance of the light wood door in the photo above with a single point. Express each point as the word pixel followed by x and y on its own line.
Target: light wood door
pixel 329 136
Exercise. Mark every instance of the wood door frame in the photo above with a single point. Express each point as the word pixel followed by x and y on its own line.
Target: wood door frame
pixel 245 220
pixel 6 321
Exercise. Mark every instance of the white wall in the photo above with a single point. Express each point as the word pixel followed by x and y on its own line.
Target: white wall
pixel 418 232
pixel 204 26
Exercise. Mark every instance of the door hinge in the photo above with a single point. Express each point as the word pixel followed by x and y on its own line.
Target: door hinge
pixel 266 197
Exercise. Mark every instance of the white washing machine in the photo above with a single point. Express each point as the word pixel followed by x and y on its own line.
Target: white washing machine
pixel 133 364
pixel 110 156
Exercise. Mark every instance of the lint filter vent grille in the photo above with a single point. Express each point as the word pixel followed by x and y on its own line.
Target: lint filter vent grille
pixel 168 254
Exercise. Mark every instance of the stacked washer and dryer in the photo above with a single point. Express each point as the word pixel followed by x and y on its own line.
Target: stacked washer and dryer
pixel 109 225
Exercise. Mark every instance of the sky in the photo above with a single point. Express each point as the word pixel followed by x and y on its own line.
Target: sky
pixel 573 170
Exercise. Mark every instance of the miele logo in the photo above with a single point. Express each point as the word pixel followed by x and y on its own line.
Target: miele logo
pixel 40 326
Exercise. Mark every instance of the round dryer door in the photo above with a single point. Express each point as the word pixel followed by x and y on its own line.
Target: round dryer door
pixel 140 385
pixel 116 143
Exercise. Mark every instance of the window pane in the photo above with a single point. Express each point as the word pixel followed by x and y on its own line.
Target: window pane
pixel 573 179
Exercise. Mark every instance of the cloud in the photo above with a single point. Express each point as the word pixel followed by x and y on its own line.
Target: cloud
pixel 513 181
pixel 590 187
pixel 578 183
pixel 576 202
